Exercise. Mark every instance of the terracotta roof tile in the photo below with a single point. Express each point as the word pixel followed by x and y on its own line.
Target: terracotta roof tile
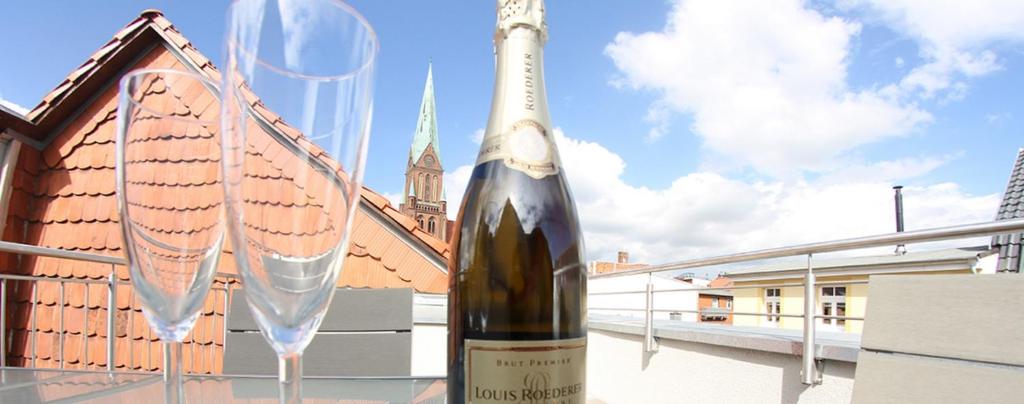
pixel 65 199
pixel 128 29
pixel 163 23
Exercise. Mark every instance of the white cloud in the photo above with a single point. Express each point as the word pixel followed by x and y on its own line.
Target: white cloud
pixel 455 182
pixel 703 213
pixel 899 61
pixel 997 118
pixel 477 136
pixel 956 38
pixel 886 171
pixel 658 116
pixel 765 82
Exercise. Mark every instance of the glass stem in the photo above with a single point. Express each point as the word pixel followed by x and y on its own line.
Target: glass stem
pixel 290 378
pixel 173 388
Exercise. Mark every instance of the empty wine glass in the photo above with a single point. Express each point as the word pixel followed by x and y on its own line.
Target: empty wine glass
pixel 170 198
pixel 298 97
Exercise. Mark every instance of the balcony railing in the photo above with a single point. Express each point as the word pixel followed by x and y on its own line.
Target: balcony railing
pixel 809 374
pixel 109 283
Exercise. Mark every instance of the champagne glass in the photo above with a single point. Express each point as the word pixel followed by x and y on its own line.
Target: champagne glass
pixel 170 198
pixel 298 94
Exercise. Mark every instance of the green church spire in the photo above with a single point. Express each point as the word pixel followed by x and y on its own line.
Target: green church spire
pixel 426 125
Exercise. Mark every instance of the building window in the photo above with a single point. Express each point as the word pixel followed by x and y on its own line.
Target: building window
pixel 833 303
pixel 773 304
pixel 728 303
pixel 419 221
pixel 714 302
pixel 419 187
pixel 437 189
pixel 430 226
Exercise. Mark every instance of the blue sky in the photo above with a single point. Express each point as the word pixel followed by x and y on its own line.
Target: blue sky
pixel 688 127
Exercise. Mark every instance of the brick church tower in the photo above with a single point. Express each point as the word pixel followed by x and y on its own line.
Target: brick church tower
pixel 424 175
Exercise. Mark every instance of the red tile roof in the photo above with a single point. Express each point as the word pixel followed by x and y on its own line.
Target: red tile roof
pixel 720 282
pixel 601 267
pixel 63 196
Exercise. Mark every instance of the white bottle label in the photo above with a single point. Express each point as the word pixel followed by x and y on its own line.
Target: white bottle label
pixel 549 371
pixel 527 147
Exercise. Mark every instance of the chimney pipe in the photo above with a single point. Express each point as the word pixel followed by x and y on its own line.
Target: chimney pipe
pixel 623 257
pixel 900 249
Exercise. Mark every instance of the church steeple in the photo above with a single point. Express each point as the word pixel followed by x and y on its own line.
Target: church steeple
pixel 424 175
pixel 426 125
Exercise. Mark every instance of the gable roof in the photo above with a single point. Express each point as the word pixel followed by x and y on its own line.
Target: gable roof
pixel 1012 207
pixel 937 260
pixel 63 196
pixel 111 60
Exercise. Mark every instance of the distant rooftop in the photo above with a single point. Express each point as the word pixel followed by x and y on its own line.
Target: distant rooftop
pixel 622 263
pixel 1012 207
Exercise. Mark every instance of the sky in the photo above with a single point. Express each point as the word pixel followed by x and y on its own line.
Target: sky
pixel 687 128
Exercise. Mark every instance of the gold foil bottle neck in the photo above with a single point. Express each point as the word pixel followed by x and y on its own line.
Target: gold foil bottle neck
pixel 521 13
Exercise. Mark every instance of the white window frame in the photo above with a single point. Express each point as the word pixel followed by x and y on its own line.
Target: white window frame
pixel 830 297
pixel 773 304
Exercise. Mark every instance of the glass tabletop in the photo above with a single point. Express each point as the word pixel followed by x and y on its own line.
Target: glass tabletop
pixel 43 386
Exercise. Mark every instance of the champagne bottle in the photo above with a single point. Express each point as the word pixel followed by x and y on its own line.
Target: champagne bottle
pixel 517 287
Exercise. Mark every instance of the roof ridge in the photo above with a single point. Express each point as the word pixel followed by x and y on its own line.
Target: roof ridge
pixel 90 65
pixel 433 242
pixel 1011 204
pixel 151 13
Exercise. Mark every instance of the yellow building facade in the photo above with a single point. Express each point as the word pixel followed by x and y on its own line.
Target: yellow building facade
pixel 841 286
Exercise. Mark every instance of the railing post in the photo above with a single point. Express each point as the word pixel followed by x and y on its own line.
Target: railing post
pixel 85 328
pixel 227 306
pixel 111 317
pixel 649 316
pixel 60 337
pixel 35 323
pixel 809 373
pixel 3 323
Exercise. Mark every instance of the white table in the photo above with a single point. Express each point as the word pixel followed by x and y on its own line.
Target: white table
pixel 19 385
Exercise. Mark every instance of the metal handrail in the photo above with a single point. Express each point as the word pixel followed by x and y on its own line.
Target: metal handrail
pixel 110 281
pixel 17 248
pixel 699 289
pixel 881 240
pixel 810 374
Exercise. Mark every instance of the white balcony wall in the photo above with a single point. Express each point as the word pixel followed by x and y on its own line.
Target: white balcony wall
pixel 429 335
pixel 688 372
pixel 720 370
pixel 429 349
pixel 684 300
